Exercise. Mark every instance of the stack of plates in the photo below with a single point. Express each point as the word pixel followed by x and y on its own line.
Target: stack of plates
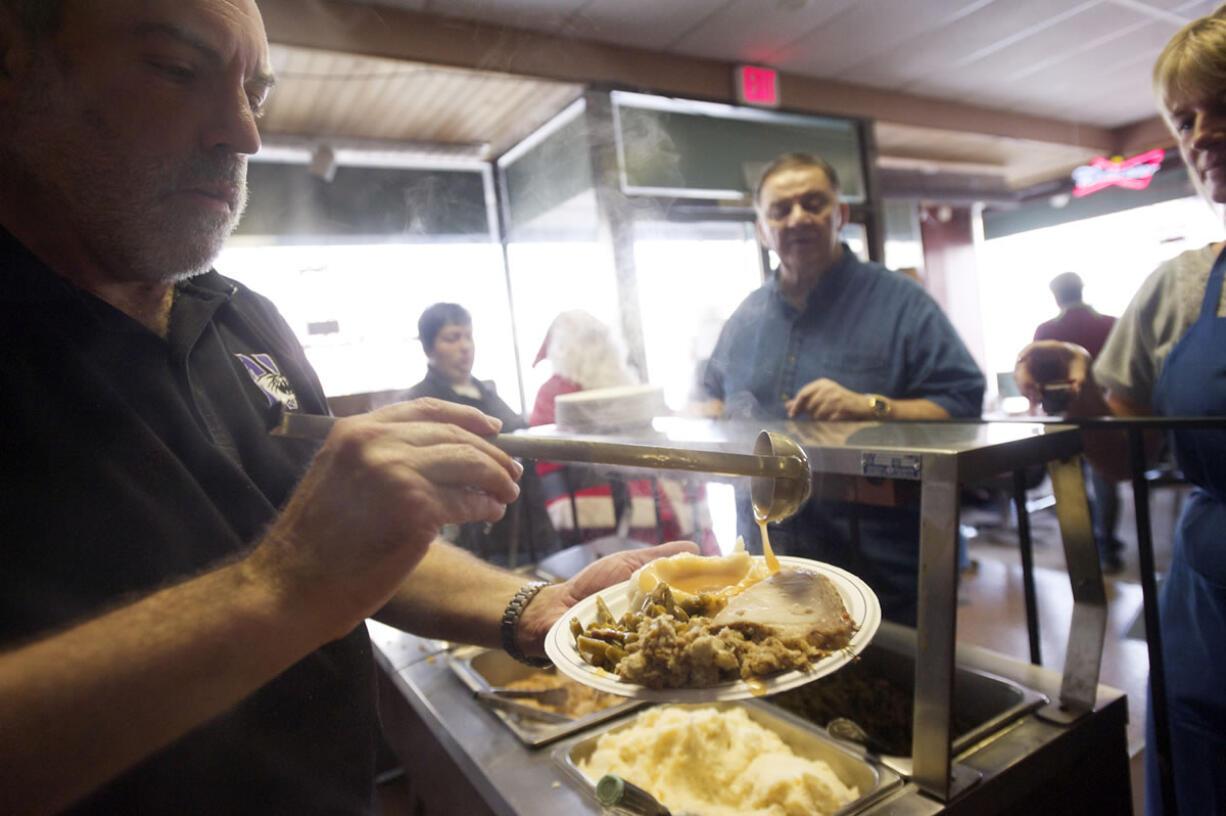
pixel 605 410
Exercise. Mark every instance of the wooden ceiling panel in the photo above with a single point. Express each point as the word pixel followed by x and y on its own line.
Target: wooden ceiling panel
pixel 324 94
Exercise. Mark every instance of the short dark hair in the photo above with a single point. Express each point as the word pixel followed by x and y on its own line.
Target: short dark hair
pixel 435 317
pixel 1066 287
pixel 38 18
pixel 791 161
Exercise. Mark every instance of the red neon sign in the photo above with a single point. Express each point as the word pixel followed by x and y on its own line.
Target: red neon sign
pixel 1131 174
pixel 757 86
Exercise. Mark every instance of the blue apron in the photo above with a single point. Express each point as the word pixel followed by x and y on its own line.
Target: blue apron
pixel 1192 604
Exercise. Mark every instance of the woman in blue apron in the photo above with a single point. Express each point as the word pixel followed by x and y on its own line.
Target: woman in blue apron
pixel 1192 604
pixel 1173 331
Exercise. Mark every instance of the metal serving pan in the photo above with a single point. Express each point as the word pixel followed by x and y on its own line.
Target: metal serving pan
pixel 878 692
pixel 874 781
pixel 482 669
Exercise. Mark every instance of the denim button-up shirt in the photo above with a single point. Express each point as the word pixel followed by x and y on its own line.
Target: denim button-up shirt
pixel 870 330
pixel 865 327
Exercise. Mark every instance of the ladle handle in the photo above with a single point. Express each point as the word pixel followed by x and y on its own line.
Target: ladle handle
pixel 317 426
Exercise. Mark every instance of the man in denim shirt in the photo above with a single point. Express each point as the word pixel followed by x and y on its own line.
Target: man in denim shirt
pixel 829 337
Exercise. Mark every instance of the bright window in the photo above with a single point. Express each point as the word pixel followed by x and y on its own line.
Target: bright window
pixel 552 277
pixel 1113 254
pixel 354 307
pixel 688 287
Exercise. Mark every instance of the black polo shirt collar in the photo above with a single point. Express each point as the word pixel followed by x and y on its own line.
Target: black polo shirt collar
pixel 24 278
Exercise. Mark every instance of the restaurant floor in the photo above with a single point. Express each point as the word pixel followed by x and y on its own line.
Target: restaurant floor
pixel 991 610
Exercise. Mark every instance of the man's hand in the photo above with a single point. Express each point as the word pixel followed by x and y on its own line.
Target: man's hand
pixel 378 492
pixel 1051 362
pixel 553 601
pixel 825 399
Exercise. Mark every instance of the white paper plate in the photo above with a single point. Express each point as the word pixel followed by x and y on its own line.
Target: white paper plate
pixel 861 603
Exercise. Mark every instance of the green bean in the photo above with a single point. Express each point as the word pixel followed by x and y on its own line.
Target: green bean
pixel 603 615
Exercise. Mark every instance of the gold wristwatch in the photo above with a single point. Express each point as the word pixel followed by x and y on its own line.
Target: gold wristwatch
pixel 879 406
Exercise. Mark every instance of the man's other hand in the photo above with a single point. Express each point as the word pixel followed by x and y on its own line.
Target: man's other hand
pixel 380 489
pixel 825 399
pixel 1051 362
pixel 553 601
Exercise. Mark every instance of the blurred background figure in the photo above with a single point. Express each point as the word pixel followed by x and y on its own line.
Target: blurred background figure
pixel 1079 323
pixel 524 535
pixel 583 503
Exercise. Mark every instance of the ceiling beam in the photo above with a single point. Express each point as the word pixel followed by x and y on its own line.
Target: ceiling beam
pixel 401 34
pixel 1138 137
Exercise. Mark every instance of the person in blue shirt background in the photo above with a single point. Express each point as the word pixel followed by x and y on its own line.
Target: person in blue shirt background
pixel 831 337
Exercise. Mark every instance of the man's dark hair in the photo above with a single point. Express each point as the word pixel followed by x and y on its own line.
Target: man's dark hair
pixel 1067 288
pixel 791 161
pixel 38 18
pixel 435 317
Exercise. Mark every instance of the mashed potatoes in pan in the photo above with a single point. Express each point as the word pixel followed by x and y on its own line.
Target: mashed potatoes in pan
pixel 717 762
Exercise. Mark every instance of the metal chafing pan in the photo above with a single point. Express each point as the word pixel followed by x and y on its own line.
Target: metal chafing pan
pixel 874 781
pixel 483 669
pixel 883 682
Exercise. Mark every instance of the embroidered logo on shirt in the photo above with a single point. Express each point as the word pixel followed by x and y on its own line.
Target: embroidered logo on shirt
pixel 265 374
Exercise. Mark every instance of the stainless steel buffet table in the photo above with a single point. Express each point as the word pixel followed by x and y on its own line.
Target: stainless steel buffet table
pixel 1028 757
pixel 1023 767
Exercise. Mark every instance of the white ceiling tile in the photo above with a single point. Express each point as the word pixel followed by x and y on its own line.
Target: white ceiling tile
pixel 1052 46
pixel 534 15
pixel 1121 67
pixel 1197 8
pixel 965 40
pixel 650 24
pixel 756 30
pixel 1126 94
pixel 1188 9
pixel 863 31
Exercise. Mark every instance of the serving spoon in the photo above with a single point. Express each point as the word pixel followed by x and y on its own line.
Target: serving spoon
pixel 778 466
pixel 842 728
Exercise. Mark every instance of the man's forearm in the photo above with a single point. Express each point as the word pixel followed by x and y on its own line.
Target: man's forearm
pixel 916 409
pixel 79 707
pixel 453 595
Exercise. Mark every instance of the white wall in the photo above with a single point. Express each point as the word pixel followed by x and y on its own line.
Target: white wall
pixel 1113 254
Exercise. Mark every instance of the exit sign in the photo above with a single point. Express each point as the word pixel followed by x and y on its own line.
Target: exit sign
pixel 757 86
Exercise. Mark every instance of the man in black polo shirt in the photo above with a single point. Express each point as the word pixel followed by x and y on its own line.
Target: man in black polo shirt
pixel 182 596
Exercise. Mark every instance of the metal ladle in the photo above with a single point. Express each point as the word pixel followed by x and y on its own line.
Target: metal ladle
pixel 778 466
pixel 780 498
pixel 841 728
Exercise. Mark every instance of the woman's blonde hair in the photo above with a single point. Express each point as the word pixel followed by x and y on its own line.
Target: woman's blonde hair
pixel 1193 63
